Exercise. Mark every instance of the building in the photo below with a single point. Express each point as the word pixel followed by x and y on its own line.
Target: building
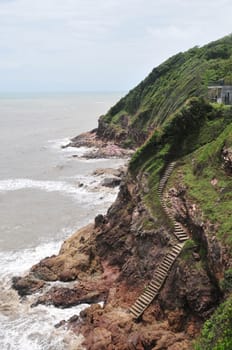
pixel 220 93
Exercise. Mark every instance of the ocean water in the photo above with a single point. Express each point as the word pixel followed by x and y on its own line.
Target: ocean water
pixel 45 195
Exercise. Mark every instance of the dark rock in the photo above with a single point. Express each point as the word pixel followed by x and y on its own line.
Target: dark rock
pixel 99 220
pixel 60 324
pixel 227 159
pixel 67 297
pixel 111 182
pixel 26 285
pixel 74 318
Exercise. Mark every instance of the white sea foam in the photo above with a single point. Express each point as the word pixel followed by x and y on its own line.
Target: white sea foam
pixel 23 327
pixel 84 194
pixel 17 262
pixel 59 145
pixel 35 329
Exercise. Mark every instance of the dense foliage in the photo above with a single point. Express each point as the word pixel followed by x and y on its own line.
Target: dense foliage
pixel 189 129
pixel 217 331
pixel 168 114
pixel 167 88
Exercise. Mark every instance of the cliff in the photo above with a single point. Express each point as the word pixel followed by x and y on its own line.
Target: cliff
pixel 114 259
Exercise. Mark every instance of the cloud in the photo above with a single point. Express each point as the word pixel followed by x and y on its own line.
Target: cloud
pixel 115 41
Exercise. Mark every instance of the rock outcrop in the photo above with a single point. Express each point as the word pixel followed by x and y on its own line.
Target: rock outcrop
pixel 115 271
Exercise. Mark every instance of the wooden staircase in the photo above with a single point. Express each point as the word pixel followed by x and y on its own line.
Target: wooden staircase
pixel 153 288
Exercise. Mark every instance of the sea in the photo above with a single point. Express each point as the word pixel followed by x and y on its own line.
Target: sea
pixel 47 192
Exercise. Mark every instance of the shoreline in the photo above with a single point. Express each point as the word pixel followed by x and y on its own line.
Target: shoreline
pixel 90 266
pixel 99 148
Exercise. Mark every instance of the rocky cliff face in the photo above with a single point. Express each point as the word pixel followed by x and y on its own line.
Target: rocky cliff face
pixel 113 260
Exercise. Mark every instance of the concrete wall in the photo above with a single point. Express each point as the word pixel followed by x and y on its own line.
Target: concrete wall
pixel 227 94
pixel 220 94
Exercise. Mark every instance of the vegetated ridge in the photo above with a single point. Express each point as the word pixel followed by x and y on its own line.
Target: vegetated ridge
pixel 164 91
pixel 116 258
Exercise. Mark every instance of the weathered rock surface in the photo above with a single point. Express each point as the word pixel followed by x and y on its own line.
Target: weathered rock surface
pixel 27 285
pixel 111 181
pixel 114 259
pixel 99 147
pixel 227 159
pixel 67 297
pixel 113 328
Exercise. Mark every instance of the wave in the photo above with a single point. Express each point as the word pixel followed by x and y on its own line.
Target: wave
pixel 60 146
pixel 23 327
pixel 79 191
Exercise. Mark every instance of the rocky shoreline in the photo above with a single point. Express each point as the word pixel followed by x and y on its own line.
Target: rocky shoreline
pixel 110 262
pixel 98 147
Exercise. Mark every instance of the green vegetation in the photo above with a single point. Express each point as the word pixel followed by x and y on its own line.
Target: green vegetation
pixel 169 115
pixel 217 331
pixel 208 184
pixel 199 130
pixel 226 283
pixel 167 88
pixel 187 250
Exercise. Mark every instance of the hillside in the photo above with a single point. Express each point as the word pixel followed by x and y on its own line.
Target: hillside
pixel 164 91
pixel 161 258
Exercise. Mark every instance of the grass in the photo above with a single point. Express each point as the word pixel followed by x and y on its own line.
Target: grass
pixel 217 331
pixel 209 186
pixel 167 88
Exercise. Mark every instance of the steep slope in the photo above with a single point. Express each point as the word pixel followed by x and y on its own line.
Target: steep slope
pixel 118 259
pixel 164 91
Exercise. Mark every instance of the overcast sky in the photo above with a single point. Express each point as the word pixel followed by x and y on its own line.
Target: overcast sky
pixel 99 45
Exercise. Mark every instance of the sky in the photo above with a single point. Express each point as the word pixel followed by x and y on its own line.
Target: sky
pixel 99 45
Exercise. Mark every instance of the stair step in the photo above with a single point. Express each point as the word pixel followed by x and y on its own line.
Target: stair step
pixel 149 293
pixel 165 262
pixel 136 312
pixel 182 235
pixel 154 284
pixel 144 300
pixel 177 226
pixel 160 275
pixel 176 252
pixel 159 278
pixel 163 270
pixel 169 259
pixel 153 290
pixel 180 245
pixel 173 253
pixel 140 302
pixel 175 249
pixel 135 308
pixel 147 300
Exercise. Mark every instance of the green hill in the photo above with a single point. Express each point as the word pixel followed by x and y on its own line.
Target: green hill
pixel 169 117
pixel 165 90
